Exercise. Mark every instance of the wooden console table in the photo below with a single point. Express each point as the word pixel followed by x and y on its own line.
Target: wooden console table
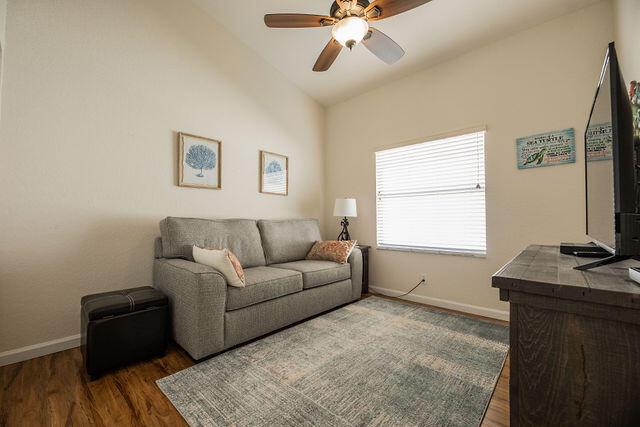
pixel 575 340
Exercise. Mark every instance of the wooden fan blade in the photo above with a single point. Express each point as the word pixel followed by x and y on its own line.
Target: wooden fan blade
pixel 382 46
pixel 296 20
pixel 387 8
pixel 328 55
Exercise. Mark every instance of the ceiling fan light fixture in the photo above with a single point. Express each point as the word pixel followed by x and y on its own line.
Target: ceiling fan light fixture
pixel 350 31
pixel 350 21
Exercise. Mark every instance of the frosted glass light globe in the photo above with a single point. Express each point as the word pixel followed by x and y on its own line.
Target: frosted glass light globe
pixel 350 31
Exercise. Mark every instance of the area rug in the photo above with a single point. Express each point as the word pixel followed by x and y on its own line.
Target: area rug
pixel 374 362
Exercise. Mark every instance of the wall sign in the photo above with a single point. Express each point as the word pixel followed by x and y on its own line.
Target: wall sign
pixel 546 149
pixel 600 142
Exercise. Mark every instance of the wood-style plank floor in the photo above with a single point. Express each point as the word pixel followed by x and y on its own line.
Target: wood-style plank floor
pixel 53 391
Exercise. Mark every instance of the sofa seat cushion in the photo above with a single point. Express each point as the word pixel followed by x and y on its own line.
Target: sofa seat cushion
pixel 317 273
pixel 263 284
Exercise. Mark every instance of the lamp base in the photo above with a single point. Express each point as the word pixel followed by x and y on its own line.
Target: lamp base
pixel 344 234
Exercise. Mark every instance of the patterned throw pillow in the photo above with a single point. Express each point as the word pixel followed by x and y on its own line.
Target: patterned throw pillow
pixel 332 250
pixel 236 265
pixel 224 261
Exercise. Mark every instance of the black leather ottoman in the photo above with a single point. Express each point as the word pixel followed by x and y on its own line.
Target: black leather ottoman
pixel 124 326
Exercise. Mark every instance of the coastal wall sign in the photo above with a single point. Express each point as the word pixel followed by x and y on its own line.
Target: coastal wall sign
pixel 546 149
pixel 600 142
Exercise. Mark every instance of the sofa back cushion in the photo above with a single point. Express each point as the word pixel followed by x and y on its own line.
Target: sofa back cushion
pixel 240 236
pixel 288 240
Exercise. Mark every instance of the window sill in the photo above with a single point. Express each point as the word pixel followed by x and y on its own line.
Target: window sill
pixel 433 251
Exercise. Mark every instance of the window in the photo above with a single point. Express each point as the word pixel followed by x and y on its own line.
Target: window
pixel 431 196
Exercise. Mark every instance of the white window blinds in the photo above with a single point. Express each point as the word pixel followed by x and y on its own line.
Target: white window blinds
pixel 431 196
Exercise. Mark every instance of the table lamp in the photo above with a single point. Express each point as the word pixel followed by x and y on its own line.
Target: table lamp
pixel 345 208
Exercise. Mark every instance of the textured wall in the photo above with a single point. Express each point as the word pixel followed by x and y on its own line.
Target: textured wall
pixel 539 80
pixel 93 93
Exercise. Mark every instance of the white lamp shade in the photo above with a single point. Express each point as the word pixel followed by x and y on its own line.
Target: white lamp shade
pixel 350 29
pixel 345 207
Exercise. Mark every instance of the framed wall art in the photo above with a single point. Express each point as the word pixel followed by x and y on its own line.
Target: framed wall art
pixel 274 173
pixel 199 162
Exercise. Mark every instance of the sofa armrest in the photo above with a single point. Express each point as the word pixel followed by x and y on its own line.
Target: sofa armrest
pixel 355 259
pixel 197 294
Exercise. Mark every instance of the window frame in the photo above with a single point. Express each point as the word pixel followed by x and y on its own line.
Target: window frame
pixel 427 250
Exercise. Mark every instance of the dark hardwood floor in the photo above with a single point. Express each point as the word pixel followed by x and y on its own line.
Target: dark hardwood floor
pixel 53 391
pixel 498 410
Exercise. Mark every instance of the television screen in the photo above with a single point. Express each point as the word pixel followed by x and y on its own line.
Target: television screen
pixel 600 167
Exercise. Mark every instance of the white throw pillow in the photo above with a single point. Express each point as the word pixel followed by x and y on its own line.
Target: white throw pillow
pixel 224 261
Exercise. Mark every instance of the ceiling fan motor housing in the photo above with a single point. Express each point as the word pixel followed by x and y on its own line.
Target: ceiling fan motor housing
pixel 357 10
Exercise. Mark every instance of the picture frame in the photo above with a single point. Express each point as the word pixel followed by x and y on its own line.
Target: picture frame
pixel 274 173
pixel 199 162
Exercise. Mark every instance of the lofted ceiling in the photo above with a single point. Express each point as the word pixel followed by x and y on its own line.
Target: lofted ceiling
pixel 429 34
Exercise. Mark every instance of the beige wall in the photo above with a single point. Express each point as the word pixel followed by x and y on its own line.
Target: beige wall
pixel 93 94
pixel 626 18
pixel 3 25
pixel 3 21
pixel 542 79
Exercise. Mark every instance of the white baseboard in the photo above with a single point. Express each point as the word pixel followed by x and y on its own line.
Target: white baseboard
pixel 61 344
pixel 37 350
pixel 443 303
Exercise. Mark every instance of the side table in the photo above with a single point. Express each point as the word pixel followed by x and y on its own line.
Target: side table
pixel 365 267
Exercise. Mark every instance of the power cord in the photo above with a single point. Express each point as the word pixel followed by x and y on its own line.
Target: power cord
pixel 412 289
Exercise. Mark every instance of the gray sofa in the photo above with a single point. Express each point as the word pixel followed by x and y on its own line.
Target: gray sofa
pixel 281 286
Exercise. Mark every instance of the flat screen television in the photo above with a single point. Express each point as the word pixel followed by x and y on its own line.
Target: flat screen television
pixel 611 168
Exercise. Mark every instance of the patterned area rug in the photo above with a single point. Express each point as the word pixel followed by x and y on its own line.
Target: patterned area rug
pixel 374 362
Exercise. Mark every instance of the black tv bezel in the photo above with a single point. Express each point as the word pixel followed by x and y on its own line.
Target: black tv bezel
pixel 623 156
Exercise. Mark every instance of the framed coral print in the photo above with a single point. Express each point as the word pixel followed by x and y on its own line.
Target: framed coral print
pixel 274 173
pixel 199 162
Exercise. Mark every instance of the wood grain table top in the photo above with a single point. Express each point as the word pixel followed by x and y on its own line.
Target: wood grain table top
pixel 543 270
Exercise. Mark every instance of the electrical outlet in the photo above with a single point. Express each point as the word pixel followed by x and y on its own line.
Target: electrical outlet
pixel 423 277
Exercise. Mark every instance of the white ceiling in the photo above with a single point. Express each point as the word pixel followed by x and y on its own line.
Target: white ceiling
pixel 429 34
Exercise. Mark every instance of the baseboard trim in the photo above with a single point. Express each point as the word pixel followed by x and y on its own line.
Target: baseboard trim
pixel 443 303
pixel 37 350
pixel 61 344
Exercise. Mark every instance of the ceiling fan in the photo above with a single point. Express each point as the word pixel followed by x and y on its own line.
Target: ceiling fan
pixel 350 20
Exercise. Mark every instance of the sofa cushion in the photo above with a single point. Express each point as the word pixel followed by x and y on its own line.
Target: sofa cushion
pixel 240 236
pixel 288 240
pixel 318 273
pixel 263 284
